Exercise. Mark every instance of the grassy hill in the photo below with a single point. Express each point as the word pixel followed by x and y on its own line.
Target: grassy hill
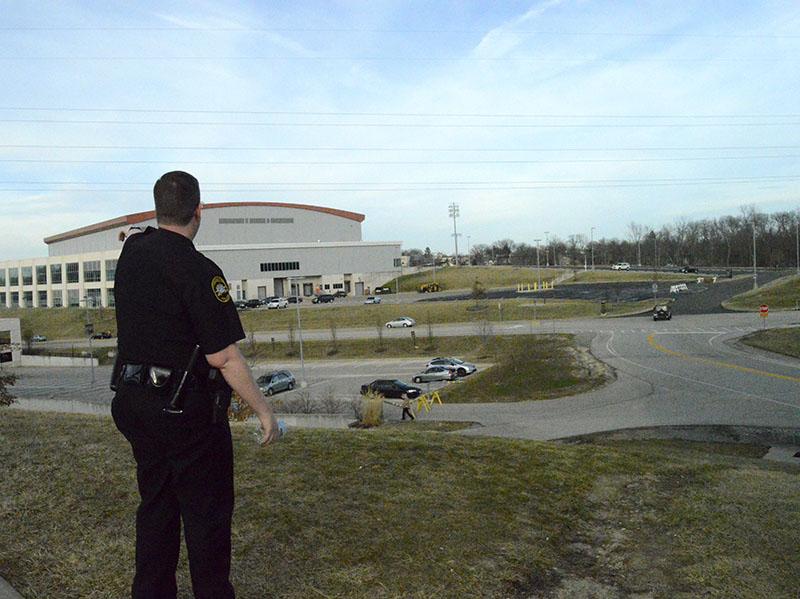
pixel 463 277
pixel 781 294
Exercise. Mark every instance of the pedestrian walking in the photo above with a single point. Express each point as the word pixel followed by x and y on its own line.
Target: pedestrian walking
pixel 177 363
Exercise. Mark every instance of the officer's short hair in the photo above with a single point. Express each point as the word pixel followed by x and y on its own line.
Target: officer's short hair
pixel 176 194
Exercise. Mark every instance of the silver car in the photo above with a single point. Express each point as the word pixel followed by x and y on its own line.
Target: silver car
pixel 435 374
pixel 403 321
pixel 273 382
pixel 460 367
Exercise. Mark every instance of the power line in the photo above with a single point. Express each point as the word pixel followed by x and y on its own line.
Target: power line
pixel 242 29
pixel 409 125
pixel 396 114
pixel 394 162
pixel 399 149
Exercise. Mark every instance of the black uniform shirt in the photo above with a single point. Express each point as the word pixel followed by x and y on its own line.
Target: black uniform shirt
pixel 169 298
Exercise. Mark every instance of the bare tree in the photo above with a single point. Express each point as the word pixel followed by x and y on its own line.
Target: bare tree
pixel 636 232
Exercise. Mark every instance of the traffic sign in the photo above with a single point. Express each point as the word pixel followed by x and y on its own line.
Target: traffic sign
pixel 764 311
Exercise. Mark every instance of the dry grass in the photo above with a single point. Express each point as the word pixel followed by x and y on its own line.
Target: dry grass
pixel 463 277
pixel 395 513
pixel 781 294
pixel 781 341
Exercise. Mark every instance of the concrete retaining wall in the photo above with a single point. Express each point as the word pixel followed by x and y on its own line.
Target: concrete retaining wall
pixel 57 361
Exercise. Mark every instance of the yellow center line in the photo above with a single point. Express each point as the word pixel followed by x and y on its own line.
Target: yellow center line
pixel 670 352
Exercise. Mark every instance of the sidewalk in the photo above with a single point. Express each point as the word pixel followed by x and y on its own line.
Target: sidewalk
pixel 7 592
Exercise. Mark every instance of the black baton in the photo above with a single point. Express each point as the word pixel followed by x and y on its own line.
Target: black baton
pixel 175 405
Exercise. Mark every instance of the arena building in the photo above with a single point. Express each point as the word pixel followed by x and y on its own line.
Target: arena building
pixel 264 249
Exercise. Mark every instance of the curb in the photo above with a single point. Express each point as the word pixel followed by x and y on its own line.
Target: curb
pixel 7 591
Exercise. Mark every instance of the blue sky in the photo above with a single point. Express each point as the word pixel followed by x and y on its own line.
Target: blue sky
pixel 554 116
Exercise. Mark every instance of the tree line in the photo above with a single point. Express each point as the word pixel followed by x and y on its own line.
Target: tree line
pixel 726 241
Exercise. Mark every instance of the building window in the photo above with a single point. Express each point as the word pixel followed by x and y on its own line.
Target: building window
pixel 73 298
pixel 2 277
pixel 27 275
pixel 55 274
pixel 338 285
pixel 57 302
pixel 41 275
pixel 42 299
pixel 72 272
pixel 308 289
pixel 398 262
pixel 14 299
pixel 111 301
pixel 94 298
pixel 327 286
pixel 91 271
pixel 2 299
pixel 279 266
pixel 27 297
pixel 13 277
pixel 111 269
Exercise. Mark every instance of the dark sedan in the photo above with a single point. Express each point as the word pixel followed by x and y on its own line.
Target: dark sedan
pixel 392 389
pixel 662 312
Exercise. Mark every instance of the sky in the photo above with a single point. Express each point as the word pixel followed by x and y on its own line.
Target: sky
pixel 538 119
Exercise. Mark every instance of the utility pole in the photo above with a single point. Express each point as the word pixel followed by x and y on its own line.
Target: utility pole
pixel 303 382
pixel 538 270
pixel 592 243
pixel 454 214
pixel 755 268
pixel 797 238
pixel 469 251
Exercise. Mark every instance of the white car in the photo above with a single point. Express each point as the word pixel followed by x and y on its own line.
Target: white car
pixel 621 266
pixel 277 302
pixel 372 300
pixel 403 321
pixel 460 367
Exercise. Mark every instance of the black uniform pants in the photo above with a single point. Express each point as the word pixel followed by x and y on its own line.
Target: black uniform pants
pixel 184 468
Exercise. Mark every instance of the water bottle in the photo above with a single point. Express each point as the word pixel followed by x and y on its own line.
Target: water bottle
pixel 259 431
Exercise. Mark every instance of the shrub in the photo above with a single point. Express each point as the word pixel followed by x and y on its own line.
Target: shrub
pixel 6 381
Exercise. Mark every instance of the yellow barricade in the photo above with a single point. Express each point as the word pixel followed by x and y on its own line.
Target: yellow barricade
pixel 426 401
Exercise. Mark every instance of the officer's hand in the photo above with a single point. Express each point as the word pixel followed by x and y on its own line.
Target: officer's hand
pixel 269 425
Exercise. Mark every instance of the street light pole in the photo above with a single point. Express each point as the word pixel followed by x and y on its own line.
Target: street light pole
pixel 592 244
pixel 454 214
pixel 538 270
pixel 547 248
pixel 797 238
pixel 469 251
pixel 755 268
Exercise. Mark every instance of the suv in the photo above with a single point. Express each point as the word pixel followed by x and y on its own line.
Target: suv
pixel 383 289
pixel 324 298
pixel 688 269
pixel 277 302
pixel 662 312
pixel 252 303
pixel 391 388
pixel 102 335
pixel 621 266
pixel 340 293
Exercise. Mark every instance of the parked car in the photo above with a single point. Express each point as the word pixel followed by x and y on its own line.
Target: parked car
pixel 372 300
pixel 460 367
pixel 662 312
pixel 274 382
pixel 383 289
pixel 340 293
pixel 324 298
pixel 435 373
pixel 688 269
pixel 621 266
pixel 391 388
pixel 294 299
pixel 403 321
pixel 38 338
pixel 240 304
pixel 278 302
pixel 102 335
pixel 253 303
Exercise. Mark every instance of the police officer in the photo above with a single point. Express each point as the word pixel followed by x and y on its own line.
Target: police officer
pixel 170 301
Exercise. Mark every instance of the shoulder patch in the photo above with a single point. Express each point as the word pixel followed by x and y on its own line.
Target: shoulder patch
pixel 221 289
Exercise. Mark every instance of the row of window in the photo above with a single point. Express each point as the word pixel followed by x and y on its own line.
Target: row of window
pixel 91 273
pixel 271 266
pixel 255 221
pixel 93 298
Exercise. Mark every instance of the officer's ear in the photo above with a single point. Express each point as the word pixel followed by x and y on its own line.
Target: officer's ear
pixel 198 211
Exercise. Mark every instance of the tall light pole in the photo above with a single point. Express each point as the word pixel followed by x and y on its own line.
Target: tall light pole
pixel 547 248
pixel 454 214
pixel 538 270
pixel 592 243
pixel 755 268
pixel 797 238
pixel 469 251
pixel 303 382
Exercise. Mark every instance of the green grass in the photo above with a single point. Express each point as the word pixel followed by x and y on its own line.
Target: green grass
pixel 623 276
pixel 781 341
pixel 61 323
pixel 781 294
pixel 463 277
pixel 397 513
pixel 530 367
